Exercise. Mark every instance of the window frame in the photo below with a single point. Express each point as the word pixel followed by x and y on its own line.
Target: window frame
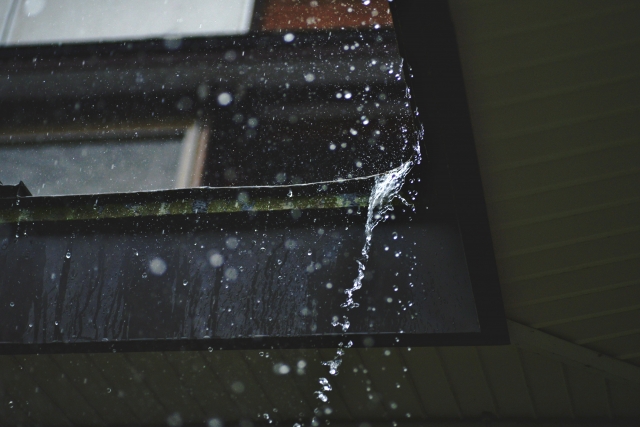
pixel 451 186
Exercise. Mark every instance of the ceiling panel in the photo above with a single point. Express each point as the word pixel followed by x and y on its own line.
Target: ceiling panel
pixel 434 383
pixel 554 95
pixel 562 231
pixel 586 331
pixel 588 196
pixel 505 374
pixel 607 274
pixel 123 379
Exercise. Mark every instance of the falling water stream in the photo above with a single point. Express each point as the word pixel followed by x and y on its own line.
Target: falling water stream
pixel 385 190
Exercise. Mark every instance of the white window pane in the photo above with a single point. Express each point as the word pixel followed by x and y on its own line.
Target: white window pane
pixel 53 21
pixel 91 167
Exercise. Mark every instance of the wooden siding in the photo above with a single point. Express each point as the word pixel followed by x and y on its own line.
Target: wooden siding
pixel 554 94
pixel 410 385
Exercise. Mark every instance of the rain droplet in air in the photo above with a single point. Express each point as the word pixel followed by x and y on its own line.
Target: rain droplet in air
pixel 157 266
pixel 225 99
pixel 216 260
pixel 281 369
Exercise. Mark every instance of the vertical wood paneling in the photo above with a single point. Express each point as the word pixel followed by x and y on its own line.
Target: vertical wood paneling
pixel 162 380
pixel 307 380
pixel 506 378
pixel 354 383
pixel 388 376
pixel 624 400
pixel 280 388
pixel 55 384
pixel 28 394
pixel 99 394
pixel 463 370
pixel 424 365
pixel 588 392
pixel 238 382
pixel 206 388
pixel 546 381
pixel 123 377
pixel 12 410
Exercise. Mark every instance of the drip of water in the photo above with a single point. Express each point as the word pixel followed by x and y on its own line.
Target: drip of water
pixel 385 190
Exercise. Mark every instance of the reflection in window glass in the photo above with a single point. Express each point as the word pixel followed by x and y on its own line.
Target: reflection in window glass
pixel 315 93
pixel 92 167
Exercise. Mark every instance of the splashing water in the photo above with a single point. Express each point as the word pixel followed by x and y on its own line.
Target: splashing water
pixel 385 190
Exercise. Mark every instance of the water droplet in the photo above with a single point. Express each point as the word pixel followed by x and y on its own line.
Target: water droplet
pixel 157 266
pixel 230 55
pixel 289 37
pixel 237 387
pixel 185 283
pixel 224 99
pixel 34 7
pixel 68 255
pixel 232 243
pixel 174 420
pixel 231 273
pixel 216 260
pixel 281 369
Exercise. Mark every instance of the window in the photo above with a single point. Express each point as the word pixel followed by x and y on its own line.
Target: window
pixel 263 149
pixel 273 145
